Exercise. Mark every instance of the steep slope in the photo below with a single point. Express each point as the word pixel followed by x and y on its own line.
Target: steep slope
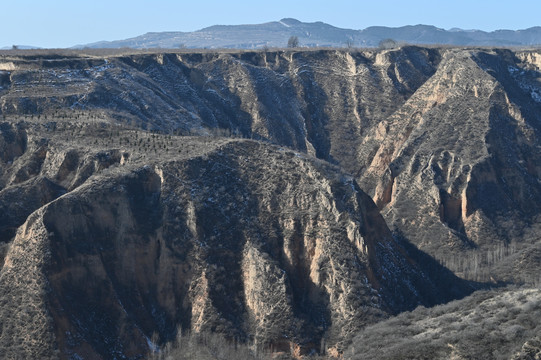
pixel 110 233
pixel 443 140
pixel 487 325
pixel 460 158
pixel 298 99
pixel 238 237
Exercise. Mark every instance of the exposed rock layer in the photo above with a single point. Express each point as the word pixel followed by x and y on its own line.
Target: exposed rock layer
pixel 443 140
pixel 257 242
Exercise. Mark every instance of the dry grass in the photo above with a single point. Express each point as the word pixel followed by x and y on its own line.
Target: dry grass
pixel 114 52
pixel 487 325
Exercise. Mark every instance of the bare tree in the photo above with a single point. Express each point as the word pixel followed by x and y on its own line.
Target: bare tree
pixel 388 44
pixel 293 42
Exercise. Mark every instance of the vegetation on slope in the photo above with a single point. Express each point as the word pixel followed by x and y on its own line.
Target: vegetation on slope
pixel 496 324
pixel 446 142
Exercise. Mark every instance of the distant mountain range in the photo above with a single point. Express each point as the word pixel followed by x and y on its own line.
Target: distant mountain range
pixel 20 47
pixel 277 33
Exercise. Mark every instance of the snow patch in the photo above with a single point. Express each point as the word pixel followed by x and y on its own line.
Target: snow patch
pixel 524 84
pixel 153 347
pixel 535 96
pixel 283 23
pixel 512 70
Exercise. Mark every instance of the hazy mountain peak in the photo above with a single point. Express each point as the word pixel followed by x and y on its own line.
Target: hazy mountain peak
pixel 290 21
pixel 317 34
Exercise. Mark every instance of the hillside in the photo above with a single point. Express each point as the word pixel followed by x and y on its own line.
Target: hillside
pixel 487 325
pixel 441 139
pixel 117 243
pixel 326 188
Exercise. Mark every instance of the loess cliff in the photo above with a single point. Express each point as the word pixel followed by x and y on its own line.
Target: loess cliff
pixel 442 139
pixel 133 203
pixel 257 242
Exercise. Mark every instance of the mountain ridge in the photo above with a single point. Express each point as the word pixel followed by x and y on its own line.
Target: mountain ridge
pixel 366 171
pixel 211 237
pixel 320 34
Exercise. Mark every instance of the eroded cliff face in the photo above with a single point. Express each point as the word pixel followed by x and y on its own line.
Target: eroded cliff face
pixel 460 159
pixel 132 232
pixel 253 241
pixel 442 139
pixel 294 98
pixel 33 171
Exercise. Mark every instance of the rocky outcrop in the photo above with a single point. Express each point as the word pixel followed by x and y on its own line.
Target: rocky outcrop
pixel 19 201
pixel 259 243
pixel 442 139
pixel 530 350
pixel 13 141
pixel 34 172
pixel 458 158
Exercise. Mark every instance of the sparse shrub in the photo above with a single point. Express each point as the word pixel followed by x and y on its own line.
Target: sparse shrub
pixel 293 42
pixel 387 44
pixel 203 346
pixel 485 325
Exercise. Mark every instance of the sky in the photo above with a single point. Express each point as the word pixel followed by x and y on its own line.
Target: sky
pixel 65 23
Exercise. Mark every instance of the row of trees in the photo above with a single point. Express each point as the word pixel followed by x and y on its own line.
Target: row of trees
pixel 293 42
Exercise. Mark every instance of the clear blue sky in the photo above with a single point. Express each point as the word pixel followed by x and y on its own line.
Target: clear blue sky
pixel 64 23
